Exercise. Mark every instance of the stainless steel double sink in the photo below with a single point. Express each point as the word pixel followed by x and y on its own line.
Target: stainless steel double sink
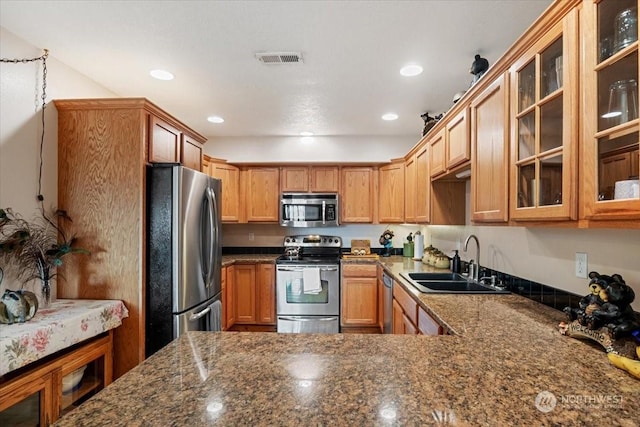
pixel 449 283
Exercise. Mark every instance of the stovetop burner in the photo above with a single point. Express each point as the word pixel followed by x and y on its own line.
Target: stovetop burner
pixel 311 249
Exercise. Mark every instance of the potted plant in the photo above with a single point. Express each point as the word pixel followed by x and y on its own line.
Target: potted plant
pixel 35 248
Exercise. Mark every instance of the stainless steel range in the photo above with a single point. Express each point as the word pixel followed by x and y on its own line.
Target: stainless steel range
pixel 308 284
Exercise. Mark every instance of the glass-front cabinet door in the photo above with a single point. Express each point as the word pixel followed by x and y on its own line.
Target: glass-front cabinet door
pixel 610 150
pixel 543 142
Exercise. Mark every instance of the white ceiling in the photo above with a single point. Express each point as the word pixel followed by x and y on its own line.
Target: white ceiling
pixel 352 52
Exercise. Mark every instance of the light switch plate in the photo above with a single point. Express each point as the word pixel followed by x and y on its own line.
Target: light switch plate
pixel 581 265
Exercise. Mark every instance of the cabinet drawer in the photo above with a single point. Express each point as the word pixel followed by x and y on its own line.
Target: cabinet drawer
pixel 427 324
pixel 408 304
pixel 359 270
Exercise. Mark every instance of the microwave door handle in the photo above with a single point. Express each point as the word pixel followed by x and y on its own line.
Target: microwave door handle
pixel 324 209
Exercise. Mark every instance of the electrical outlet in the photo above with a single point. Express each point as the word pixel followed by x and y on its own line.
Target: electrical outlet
pixel 581 265
pixel 252 237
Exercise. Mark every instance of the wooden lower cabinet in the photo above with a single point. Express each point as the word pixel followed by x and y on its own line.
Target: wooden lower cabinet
pixel 254 292
pixel 405 312
pixel 229 296
pixel 427 325
pixel 34 396
pixel 359 295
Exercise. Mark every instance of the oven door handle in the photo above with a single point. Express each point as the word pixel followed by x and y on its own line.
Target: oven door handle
pixel 302 268
pixel 307 319
pixel 197 316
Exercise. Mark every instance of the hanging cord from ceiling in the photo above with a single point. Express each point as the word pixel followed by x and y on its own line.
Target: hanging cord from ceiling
pixel 42 58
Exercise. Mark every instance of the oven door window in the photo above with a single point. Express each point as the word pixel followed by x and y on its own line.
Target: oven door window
pixel 296 294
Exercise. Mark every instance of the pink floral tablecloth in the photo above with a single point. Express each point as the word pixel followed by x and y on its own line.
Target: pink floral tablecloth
pixel 64 323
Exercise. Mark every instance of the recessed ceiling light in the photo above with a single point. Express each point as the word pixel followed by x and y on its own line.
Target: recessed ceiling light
pixel 161 74
pixel 215 119
pixel 390 116
pixel 411 70
pixel 306 133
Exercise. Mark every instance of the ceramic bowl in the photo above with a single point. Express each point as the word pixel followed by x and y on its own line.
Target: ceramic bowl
pixel 72 380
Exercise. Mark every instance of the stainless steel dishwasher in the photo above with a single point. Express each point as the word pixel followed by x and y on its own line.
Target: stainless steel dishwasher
pixel 388 302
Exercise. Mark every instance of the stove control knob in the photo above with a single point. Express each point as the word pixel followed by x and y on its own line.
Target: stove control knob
pixel 287 240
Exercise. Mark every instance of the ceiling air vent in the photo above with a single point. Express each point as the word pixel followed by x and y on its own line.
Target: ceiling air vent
pixel 279 57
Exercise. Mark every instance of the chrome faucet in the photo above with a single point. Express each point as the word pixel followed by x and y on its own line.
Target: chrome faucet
pixel 474 274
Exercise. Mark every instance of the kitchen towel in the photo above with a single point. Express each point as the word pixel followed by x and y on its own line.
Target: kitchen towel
pixel 311 281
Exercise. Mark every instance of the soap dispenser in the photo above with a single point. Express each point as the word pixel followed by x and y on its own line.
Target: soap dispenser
pixel 455 262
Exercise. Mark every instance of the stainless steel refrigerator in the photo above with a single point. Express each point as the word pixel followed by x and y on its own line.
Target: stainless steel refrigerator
pixel 183 289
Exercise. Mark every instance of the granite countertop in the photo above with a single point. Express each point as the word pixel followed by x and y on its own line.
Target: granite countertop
pixel 504 353
pixel 228 260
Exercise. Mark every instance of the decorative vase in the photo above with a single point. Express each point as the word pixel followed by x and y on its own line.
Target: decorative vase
pixel 46 292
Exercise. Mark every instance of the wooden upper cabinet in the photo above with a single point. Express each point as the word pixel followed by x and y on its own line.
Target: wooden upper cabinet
pixel 409 190
pixel 490 153
pixel 422 186
pixel 391 193
pixel 437 158
pixel 544 136
pixel 609 150
pixel 417 184
pixel 164 141
pixel 191 153
pixel 357 194
pixel 294 179
pixel 316 179
pixel 230 177
pixel 457 142
pixel 262 194
pixel 325 179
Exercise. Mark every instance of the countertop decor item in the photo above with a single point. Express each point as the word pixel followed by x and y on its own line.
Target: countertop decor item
pixel 386 241
pixel 35 248
pixel 605 315
pixel 360 247
pixel 408 247
pixel 17 306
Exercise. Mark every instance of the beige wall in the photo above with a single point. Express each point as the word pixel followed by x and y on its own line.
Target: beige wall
pixel 20 126
pixel 361 149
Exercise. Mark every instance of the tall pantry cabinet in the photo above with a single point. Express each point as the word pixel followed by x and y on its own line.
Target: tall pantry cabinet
pixel 103 148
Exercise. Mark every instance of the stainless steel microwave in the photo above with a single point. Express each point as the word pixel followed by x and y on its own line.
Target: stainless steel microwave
pixel 309 210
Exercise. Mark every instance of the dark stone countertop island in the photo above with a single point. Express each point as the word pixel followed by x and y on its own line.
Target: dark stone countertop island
pixel 504 351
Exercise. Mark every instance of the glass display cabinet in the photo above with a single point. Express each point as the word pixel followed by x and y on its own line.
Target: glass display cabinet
pixel 543 142
pixel 610 151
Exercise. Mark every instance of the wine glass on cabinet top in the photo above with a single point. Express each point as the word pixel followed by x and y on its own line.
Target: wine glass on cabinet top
pixel 617 98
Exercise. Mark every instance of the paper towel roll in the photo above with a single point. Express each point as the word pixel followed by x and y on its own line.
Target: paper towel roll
pixel 418 249
pixel 629 189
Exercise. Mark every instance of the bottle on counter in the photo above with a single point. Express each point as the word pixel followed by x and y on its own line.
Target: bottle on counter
pixel 455 262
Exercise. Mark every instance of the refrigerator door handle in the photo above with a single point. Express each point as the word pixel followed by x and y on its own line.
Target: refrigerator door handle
pixel 212 236
pixel 196 316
